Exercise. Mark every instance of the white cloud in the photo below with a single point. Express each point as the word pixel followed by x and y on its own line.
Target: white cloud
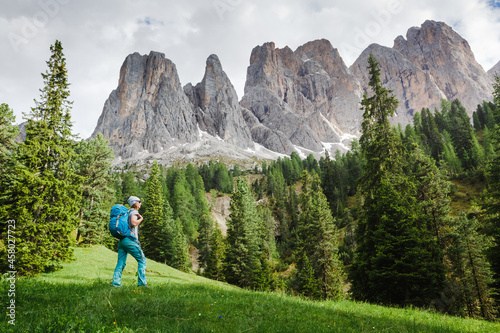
pixel 97 36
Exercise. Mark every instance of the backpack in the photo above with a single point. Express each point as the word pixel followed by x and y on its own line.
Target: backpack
pixel 118 222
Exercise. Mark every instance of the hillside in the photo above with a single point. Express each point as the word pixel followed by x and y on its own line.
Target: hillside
pixel 79 298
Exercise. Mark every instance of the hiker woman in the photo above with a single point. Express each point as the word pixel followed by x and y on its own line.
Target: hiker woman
pixel 131 245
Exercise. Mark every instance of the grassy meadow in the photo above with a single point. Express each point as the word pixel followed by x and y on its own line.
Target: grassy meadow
pixel 80 298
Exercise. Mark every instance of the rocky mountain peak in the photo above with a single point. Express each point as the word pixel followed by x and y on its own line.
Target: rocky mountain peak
pixel 217 108
pixel 437 49
pixel 149 110
pixel 494 70
pixel 308 96
pixel 432 63
pixel 305 101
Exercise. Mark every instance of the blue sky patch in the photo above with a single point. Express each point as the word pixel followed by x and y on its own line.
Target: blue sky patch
pixel 150 21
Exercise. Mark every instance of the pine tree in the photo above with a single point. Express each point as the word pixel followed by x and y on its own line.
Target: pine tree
pixel 433 139
pixel 450 157
pixel 318 234
pixel 463 136
pixel 491 199
pixel 205 221
pixel 153 227
pixel 180 257
pixel 308 283
pixel 47 191
pixel 205 233
pixel 93 163
pixel 215 262
pixel 378 143
pixel 130 186
pixel 267 230
pixel 432 195
pixel 170 232
pixel 469 267
pixel 8 160
pixel 184 205
pixel 243 263
pixel 395 260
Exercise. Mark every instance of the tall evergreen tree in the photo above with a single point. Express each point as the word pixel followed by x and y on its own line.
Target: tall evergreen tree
pixel 492 198
pixel 450 157
pixel 47 191
pixel 433 140
pixel 463 136
pixel 215 262
pixel 180 257
pixel 130 186
pixel 308 281
pixel 395 260
pixel 153 230
pixel 432 195
pixel 8 160
pixel 171 235
pixel 205 232
pixel 184 205
pixel 243 265
pixel 318 234
pixel 470 270
pixel 93 164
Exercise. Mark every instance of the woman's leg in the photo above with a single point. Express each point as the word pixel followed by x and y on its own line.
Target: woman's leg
pixel 120 265
pixel 135 251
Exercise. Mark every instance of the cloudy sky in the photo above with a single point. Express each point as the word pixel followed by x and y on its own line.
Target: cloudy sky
pixel 97 35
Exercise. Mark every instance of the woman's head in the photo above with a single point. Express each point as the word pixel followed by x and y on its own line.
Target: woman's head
pixel 134 202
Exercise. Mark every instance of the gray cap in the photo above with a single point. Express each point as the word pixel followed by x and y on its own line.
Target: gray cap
pixel 132 200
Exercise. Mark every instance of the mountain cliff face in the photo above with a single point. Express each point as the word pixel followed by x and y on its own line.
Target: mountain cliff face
pixel 432 63
pixel 494 70
pixel 413 87
pixel 305 100
pixel 308 97
pixel 149 110
pixel 151 116
pixel 448 58
pixel 217 109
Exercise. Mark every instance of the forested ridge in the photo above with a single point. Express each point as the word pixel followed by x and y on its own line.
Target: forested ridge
pixel 407 217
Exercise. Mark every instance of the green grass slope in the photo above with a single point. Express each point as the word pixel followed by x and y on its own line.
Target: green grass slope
pixel 79 298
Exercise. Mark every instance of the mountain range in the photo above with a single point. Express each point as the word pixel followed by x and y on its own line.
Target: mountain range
pixel 305 100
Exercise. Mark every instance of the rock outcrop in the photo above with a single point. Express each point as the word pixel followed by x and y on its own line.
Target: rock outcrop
pixel 413 87
pixel 432 63
pixel 435 47
pixel 494 70
pixel 217 109
pixel 307 98
pixel 149 110
pixel 150 116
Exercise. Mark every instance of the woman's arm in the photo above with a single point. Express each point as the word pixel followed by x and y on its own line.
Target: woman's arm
pixel 135 220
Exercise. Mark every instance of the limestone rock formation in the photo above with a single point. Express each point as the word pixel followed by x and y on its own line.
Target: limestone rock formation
pixel 438 50
pixel 413 87
pixel 306 98
pixel 149 110
pixel 22 132
pixel 217 109
pixel 432 63
pixel 150 116
pixel 494 70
